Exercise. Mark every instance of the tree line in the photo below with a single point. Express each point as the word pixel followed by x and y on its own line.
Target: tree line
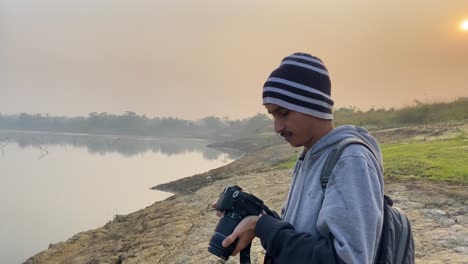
pixel 212 127
pixel 130 123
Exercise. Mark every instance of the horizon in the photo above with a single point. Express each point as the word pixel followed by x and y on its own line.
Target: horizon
pixel 210 58
pixel 414 104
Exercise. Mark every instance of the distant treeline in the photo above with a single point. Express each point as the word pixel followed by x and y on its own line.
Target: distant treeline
pixel 421 113
pixel 133 124
pixel 213 127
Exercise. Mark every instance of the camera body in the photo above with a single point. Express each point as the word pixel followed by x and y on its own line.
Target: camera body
pixel 236 205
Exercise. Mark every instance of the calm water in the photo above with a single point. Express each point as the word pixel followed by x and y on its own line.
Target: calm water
pixel 54 186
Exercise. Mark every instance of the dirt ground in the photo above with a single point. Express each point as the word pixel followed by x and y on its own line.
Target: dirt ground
pixel 178 229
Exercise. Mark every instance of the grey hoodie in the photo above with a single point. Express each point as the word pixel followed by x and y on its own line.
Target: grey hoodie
pixel 343 223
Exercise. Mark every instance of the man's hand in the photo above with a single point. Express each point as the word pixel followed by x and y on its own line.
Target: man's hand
pixel 245 231
pixel 218 213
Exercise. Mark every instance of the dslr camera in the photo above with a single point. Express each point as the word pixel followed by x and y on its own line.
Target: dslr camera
pixel 236 205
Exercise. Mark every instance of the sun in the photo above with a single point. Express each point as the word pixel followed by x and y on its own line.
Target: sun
pixel 464 25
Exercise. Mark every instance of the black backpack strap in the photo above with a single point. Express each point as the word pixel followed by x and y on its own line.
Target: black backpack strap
pixel 244 255
pixel 335 154
pixel 405 233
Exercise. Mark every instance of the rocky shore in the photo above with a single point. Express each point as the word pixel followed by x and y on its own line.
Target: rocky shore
pixel 177 230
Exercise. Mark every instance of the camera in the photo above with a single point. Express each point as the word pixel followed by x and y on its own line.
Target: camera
pixel 236 205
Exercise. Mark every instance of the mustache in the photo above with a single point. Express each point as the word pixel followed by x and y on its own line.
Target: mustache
pixel 285 133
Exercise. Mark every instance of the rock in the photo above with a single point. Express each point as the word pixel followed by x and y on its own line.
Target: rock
pixel 462 211
pixel 123 257
pixel 436 213
pixel 448 222
pixel 463 250
pixel 456 229
pixel 52 245
pixel 182 259
pixel 461 219
pixel 399 198
pixel 412 205
pixel 446 243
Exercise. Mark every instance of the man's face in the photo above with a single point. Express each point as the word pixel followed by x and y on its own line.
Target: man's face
pixel 298 129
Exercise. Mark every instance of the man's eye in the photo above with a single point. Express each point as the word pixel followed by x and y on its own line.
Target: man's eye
pixel 283 113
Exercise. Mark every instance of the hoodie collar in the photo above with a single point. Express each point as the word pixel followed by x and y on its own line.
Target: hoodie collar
pixel 332 137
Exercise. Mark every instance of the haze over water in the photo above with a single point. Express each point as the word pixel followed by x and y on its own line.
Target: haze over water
pixel 50 192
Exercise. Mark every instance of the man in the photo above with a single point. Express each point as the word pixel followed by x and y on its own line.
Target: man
pixel 341 224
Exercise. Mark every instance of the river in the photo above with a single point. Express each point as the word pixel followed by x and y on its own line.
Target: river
pixel 56 185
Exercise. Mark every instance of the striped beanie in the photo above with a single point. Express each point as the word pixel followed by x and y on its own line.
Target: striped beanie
pixel 301 83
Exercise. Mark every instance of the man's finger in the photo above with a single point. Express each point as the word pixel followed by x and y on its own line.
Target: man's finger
pixel 218 213
pixel 229 240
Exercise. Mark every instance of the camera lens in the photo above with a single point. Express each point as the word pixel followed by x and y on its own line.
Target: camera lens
pixel 217 249
pixel 224 228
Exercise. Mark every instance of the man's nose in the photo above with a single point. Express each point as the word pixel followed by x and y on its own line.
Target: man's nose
pixel 279 126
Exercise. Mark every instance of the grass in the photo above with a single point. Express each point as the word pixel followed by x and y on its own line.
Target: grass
pixel 288 164
pixel 440 160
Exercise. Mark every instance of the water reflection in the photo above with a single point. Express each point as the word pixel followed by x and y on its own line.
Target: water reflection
pixel 80 182
pixel 102 144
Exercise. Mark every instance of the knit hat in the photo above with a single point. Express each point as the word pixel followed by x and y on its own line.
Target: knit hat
pixel 301 83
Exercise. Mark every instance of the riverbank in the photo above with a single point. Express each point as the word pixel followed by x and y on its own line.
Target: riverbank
pixel 154 234
pixel 177 230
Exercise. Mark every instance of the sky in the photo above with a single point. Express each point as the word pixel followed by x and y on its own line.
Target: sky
pixel 191 59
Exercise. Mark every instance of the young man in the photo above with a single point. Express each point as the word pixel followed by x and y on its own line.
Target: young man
pixel 341 224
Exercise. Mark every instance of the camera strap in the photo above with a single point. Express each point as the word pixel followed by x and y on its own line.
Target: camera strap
pixel 269 212
pixel 244 255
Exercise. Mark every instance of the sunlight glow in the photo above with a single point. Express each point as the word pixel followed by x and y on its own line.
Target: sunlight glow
pixel 464 25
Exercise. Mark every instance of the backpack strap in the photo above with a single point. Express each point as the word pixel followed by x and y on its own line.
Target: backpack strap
pixel 335 154
pixel 396 225
pixel 405 232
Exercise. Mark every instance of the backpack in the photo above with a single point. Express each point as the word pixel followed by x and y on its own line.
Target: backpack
pixel 396 245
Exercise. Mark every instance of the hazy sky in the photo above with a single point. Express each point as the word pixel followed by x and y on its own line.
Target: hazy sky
pixel 192 59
